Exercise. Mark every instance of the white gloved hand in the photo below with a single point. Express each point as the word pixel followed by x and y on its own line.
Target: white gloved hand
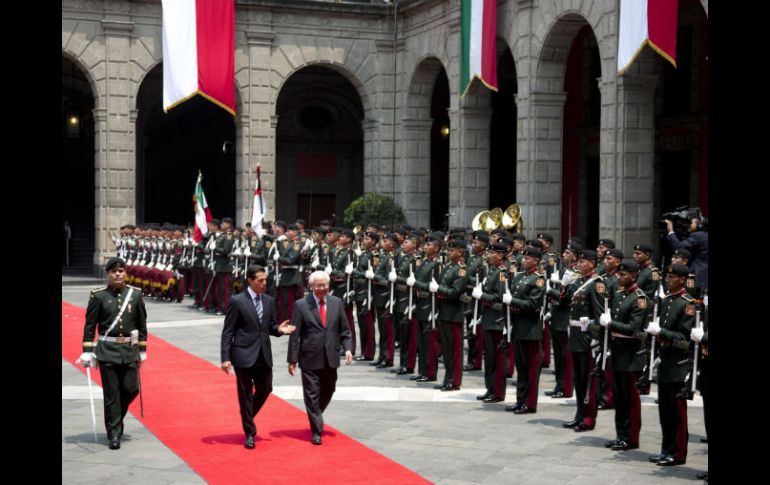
pixel 547 316
pixel 476 293
pixel 276 256
pixel 316 262
pixel 410 281
pixel 87 359
pixel 605 320
pixel 392 276
pixel 507 298
pixel 583 323
pixel 696 334
pixel 328 268
pixel 433 287
pixel 369 274
pixel 308 244
pixel 555 278
pixel 142 356
pixel 358 252
pixel 349 268
pixel 653 328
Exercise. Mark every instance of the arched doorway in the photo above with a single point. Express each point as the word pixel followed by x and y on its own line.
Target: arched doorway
pixel 502 134
pixel 319 146
pixel 439 153
pixel 172 147
pixel 77 171
pixel 580 152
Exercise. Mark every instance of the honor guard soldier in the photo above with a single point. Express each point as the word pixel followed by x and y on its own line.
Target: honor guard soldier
pixel 222 267
pixel 493 319
pixel 118 313
pixel 525 300
pixel 602 247
pixel 426 270
pixel 549 265
pixel 288 272
pixel 272 244
pixel 587 295
pixel 363 296
pixel 404 318
pixel 559 321
pixel 477 271
pixel 381 286
pixel 676 321
pixel 519 241
pixel 626 324
pixel 649 275
pixel 341 278
pixel 701 337
pixel 510 263
pixel 452 283
pixel 612 259
pixel 682 256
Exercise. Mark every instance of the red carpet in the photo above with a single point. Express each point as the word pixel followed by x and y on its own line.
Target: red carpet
pixel 192 407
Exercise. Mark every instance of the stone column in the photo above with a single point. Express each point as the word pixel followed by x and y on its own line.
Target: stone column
pixel 371 141
pixel 627 161
pixel 414 180
pixel 539 161
pixel 115 158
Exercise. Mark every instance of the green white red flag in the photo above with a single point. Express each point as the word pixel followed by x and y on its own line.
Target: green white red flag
pixel 202 211
pixel 478 54
pixel 646 22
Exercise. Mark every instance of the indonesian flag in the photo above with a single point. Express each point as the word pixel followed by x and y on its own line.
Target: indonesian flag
pixel 199 52
pixel 259 209
pixel 479 57
pixel 646 22
pixel 202 212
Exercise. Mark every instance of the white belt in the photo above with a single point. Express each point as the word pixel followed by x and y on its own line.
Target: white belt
pixel 578 323
pixel 117 340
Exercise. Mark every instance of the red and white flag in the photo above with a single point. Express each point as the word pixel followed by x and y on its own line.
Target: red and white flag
pixel 259 209
pixel 202 212
pixel 199 52
pixel 646 22
pixel 478 54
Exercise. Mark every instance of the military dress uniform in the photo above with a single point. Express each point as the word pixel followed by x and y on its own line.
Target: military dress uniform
pixel 381 295
pixel 493 320
pixel 629 318
pixel 606 388
pixel 452 282
pixel 118 357
pixel 559 323
pixel 408 334
pixel 476 272
pixel 290 284
pixel 364 307
pixel 548 265
pixel 339 286
pixel 428 339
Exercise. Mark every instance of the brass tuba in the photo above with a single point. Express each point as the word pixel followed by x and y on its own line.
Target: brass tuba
pixel 478 224
pixel 512 218
pixel 494 220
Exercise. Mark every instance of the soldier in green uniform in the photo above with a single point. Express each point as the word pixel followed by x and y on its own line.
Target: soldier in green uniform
pixel 626 324
pixel 682 256
pixel 587 295
pixel 493 319
pixel 289 284
pixel 525 299
pixel 676 321
pixel 341 278
pixel 452 283
pixel 612 259
pixel 408 334
pixel 701 336
pixel 558 318
pixel 649 275
pixel 209 267
pixel 549 265
pixel 477 271
pixel 380 276
pixel 426 270
pixel 119 314
pixel 602 247
pixel 363 297
pixel 222 266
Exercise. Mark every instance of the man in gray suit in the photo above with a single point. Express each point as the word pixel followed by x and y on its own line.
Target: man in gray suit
pixel 321 328
pixel 245 346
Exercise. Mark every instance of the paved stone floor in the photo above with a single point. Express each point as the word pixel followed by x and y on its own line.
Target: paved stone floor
pixel 449 438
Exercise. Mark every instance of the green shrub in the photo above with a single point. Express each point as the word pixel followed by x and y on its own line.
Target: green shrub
pixel 374 208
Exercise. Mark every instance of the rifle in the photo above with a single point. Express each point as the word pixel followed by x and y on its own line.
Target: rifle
pixel 411 275
pixel 392 287
pixel 606 334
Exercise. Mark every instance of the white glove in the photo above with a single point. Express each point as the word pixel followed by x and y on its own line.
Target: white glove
pixel 392 276
pixel 653 328
pixel 583 323
pixel 555 278
pixel 328 268
pixel 605 320
pixel 410 281
pixel 308 244
pixel 507 298
pixel 433 287
pixel 142 356
pixel 476 293
pixel 358 252
pixel 369 274
pixel 280 238
pixel 696 334
pixel 349 268
pixel 276 256
pixel 547 316
pixel 661 293
pixel 316 262
pixel 87 359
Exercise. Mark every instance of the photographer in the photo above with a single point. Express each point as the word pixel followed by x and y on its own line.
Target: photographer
pixel 697 242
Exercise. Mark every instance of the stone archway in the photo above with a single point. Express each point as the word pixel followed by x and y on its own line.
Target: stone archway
pixel 319 145
pixel 502 132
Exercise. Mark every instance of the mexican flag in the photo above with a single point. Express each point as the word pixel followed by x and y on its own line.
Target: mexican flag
pixel 646 22
pixel 202 212
pixel 479 57
pixel 259 209
pixel 199 52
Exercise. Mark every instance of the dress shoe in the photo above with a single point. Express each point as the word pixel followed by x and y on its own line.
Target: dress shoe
pixel 450 387
pixel 514 407
pixel 393 371
pixel 359 358
pixel 493 399
pixel 415 377
pixel 249 443
pixel 582 427
pixel 554 394
pixel 376 362
pixel 384 365
pixel 440 386
pixel 316 439
pixel 524 409
pixel 514 383
pixel 550 393
pixel 115 443
pixel 601 405
pixel 656 458
pixel 623 445
pixel 425 379
pixel 403 371
pixel 702 476
pixel 610 444
pixel 484 396
pixel 570 424
pixel 704 440
pixel 469 367
pixel 669 461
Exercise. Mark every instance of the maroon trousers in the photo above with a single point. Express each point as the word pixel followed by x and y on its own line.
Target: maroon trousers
pixel 546 345
pixel 628 407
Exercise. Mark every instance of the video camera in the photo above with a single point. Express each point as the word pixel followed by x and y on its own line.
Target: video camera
pixel 681 218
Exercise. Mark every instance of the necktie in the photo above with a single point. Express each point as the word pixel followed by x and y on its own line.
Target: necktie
pixel 258 304
pixel 322 310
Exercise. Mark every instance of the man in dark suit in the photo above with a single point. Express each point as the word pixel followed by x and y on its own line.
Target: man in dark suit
pixel 321 326
pixel 250 320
